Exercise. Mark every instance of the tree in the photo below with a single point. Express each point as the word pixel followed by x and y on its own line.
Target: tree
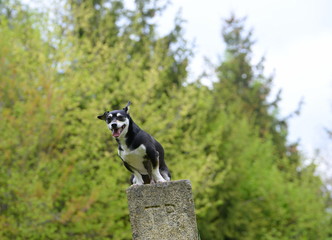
pixel 56 80
pixel 60 177
pixel 255 185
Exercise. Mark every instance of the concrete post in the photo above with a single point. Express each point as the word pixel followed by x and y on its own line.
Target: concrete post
pixel 162 211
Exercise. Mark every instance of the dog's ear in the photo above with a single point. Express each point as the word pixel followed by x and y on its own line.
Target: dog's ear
pixel 103 117
pixel 126 108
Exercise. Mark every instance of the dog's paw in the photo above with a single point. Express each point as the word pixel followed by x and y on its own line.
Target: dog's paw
pixel 137 184
pixel 161 180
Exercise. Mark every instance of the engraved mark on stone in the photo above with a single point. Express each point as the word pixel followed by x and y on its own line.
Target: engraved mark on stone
pixel 153 212
pixel 161 213
pixel 152 207
pixel 170 208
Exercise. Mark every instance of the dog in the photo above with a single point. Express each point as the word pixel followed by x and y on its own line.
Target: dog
pixel 141 154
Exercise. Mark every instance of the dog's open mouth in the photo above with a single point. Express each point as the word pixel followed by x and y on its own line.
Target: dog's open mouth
pixel 117 131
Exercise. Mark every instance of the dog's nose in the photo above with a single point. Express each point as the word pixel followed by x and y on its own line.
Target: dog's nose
pixel 114 125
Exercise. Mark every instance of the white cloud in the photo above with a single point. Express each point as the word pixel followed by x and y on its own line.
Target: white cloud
pixel 304 70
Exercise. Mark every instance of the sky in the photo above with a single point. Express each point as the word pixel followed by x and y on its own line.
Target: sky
pixel 295 37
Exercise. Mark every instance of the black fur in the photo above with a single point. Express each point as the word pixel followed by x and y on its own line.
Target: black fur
pixel 135 137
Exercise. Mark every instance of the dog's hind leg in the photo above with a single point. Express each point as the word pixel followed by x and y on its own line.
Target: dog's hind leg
pixel 148 166
pixel 153 155
pixel 156 176
pixel 166 175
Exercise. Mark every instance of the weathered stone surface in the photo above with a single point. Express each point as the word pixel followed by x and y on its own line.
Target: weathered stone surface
pixel 162 211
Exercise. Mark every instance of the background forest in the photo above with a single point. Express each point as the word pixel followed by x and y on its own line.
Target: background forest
pixel 60 177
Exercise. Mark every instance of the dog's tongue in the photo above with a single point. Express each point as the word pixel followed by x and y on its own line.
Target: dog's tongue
pixel 116 132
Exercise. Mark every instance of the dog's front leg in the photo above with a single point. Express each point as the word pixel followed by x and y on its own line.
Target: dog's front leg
pixel 137 180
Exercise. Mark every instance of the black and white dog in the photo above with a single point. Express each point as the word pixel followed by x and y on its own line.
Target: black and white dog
pixel 140 152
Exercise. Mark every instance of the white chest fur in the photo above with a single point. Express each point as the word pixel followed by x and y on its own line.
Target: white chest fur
pixel 134 158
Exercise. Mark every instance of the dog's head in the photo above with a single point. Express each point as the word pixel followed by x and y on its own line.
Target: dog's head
pixel 117 121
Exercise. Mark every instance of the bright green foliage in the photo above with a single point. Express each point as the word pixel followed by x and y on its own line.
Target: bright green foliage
pixel 60 177
pixel 255 189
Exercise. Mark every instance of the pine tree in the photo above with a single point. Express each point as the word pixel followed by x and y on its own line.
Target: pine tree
pixel 253 188
pixel 74 70
pixel 60 176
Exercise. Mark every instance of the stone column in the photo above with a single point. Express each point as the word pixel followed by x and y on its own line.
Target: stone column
pixel 162 211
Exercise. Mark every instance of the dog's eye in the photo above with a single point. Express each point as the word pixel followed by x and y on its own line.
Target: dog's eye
pixel 121 118
pixel 108 120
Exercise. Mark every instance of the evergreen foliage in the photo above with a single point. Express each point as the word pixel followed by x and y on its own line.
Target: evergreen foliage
pixel 60 177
